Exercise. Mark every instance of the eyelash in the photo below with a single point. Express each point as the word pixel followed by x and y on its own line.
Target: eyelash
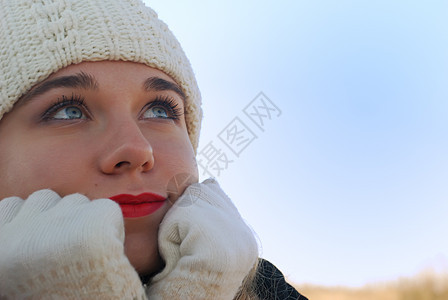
pixel 74 100
pixel 77 100
pixel 169 103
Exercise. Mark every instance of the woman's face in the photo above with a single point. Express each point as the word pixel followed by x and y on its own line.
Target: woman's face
pixel 101 129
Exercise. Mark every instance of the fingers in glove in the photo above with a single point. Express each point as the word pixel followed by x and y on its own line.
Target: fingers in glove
pixel 109 209
pixel 214 188
pixel 192 194
pixel 209 192
pixel 9 207
pixel 102 213
pixel 73 200
pixel 38 202
pixel 107 212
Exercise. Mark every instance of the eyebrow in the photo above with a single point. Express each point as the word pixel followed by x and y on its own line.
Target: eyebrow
pixel 88 82
pixel 159 84
pixel 79 80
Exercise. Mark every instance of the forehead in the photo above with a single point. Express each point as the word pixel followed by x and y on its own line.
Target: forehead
pixel 111 70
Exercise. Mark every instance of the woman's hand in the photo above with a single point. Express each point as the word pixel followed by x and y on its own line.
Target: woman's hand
pixel 69 248
pixel 207 247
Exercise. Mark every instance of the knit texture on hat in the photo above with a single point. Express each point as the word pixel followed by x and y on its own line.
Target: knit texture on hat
pixel 39 37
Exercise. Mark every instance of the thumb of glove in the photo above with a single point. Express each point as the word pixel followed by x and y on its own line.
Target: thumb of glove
pixel 9 207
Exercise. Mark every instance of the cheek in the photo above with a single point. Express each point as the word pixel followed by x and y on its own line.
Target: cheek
pixel 180 162
pixel 26 169
pixel 177 163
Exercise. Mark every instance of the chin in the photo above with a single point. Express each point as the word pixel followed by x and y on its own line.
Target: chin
pixel 141 243
pixel 143 254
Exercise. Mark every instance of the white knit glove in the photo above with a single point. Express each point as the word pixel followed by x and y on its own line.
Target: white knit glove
pixel 207 247
pixel 69 248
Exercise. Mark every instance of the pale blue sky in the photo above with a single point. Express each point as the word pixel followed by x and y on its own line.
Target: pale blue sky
pixel 348 184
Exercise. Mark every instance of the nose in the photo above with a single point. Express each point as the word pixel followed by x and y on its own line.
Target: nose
pixel 126 150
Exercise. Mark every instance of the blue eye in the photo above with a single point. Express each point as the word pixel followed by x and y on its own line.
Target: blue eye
pixel 69 112
pixel 72 108
pixel 156 112
pixel 162 108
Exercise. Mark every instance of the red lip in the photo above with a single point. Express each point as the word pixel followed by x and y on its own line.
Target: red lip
pixel 140 205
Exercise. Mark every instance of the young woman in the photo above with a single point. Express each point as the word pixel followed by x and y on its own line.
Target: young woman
pixel 100 123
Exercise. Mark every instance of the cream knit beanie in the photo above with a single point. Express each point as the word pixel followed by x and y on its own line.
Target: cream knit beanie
pixel 39 37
